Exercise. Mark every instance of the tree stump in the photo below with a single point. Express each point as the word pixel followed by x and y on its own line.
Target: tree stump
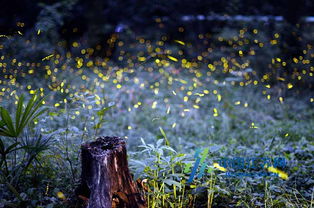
pixel 106 181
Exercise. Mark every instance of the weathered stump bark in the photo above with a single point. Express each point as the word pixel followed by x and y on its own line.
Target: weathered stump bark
pixel 106 181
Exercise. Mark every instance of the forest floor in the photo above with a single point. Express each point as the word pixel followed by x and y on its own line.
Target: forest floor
pixel 166 108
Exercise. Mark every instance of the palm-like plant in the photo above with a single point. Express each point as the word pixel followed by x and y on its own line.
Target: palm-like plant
pixel 8 128
pixel 22 116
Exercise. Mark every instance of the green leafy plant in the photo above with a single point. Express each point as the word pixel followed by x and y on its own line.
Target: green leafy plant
pixel 18 155
pixel 101 120
pixel 22 116
pixel 163 171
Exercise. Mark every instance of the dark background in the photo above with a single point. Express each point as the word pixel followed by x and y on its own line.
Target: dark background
pixel 96 23
pixel 86 14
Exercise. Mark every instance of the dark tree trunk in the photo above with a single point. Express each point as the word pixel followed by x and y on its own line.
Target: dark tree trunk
pixel 106 181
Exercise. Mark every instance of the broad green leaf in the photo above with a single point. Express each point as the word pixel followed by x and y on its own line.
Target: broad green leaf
pixel 2 124
pixel 39 113
pixel 172 182
pixel 5 132
pixel 38 104
pixel 22 118
pixel 8 121
pixel 27 112
pixel 99 124
pixel 30 112
pixel 32 117
pixel 19 110
pixel 164 135
pixel 102 111
pixel 210 169
pixel 138 162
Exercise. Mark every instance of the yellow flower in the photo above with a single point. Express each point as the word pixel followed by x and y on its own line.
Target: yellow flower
pixel 280 173
pixel 60 195
pixel 216 165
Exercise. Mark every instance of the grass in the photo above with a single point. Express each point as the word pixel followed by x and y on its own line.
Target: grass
pixel 165 109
